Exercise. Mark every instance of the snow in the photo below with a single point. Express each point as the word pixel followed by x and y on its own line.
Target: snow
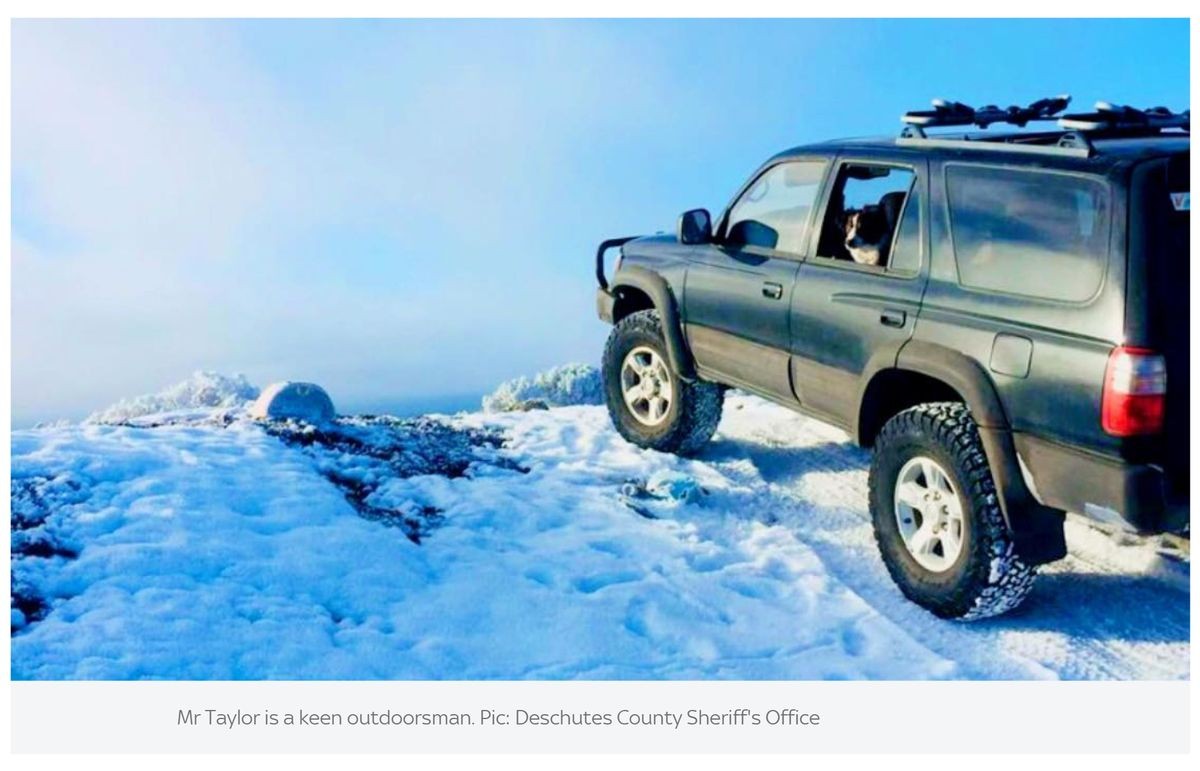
pixel 201 392
pixel 300 401
pixel 568 385
pixel 517 545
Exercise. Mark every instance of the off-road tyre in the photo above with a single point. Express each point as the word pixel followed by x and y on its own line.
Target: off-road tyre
pixel 988 577
pixel 694 411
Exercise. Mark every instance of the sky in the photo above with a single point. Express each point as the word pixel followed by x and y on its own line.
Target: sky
pixel 407 211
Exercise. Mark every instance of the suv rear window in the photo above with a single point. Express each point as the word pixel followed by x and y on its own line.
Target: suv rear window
pixel 1038 234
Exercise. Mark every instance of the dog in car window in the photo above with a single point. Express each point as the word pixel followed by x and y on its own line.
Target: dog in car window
pixel 867 234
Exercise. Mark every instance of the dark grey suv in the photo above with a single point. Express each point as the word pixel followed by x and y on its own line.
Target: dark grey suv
pixel 1001 315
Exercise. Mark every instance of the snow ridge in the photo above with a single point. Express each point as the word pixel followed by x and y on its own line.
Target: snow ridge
pixel 568 385
pixel 204 390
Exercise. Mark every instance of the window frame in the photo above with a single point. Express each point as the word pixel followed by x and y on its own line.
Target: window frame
pixel 887 269
pixel 1104 256
pixel 915 168
pixel 723 224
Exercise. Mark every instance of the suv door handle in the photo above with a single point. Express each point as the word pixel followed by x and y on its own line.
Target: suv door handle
pixel 772 290
pixel 892 318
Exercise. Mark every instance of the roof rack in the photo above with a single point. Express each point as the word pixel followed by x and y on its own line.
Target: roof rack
pixel 1075 137
pixel 1116 117
pixel 946 113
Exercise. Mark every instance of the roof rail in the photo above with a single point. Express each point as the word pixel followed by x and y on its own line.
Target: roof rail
pixel 1064 150
pixel 946 113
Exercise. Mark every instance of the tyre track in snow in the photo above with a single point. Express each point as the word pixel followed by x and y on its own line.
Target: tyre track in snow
pixel 1104 612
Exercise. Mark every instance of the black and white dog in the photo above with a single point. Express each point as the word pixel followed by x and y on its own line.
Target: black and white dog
pixel 867 234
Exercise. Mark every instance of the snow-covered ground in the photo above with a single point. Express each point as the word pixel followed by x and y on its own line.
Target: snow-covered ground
pixel 531 544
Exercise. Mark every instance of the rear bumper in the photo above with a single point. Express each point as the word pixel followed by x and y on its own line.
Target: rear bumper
pixel 1099 487
pixel 604 305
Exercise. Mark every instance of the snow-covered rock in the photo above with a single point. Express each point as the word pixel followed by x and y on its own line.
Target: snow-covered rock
pixel 570 384
pixel 204 390
pixel 299 401
pixel 675 486
pixel 667 485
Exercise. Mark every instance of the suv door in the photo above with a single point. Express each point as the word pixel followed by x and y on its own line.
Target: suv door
pixel 844 314
pixel 738 288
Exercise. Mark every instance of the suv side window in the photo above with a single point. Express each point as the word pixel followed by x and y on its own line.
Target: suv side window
pixel 774 212
pixel 863 218
pixel 1038 234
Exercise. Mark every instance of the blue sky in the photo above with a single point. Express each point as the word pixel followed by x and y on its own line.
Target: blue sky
pixel 403 211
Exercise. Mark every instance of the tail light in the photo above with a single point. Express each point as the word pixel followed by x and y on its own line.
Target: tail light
pixel 1135 392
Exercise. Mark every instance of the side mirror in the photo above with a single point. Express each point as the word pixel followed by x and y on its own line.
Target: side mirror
pixel 695 227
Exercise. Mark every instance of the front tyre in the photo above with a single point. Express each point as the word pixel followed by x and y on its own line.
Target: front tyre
pixel 649 404
pixel 937 517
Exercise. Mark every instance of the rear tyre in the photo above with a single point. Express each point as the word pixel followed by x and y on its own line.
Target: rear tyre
pixel 650 405
pixel 937 518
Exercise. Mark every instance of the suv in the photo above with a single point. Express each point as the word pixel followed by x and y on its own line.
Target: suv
pixel 1004 347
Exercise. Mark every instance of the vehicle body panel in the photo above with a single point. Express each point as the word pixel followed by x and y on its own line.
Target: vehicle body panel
pixel 735 316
